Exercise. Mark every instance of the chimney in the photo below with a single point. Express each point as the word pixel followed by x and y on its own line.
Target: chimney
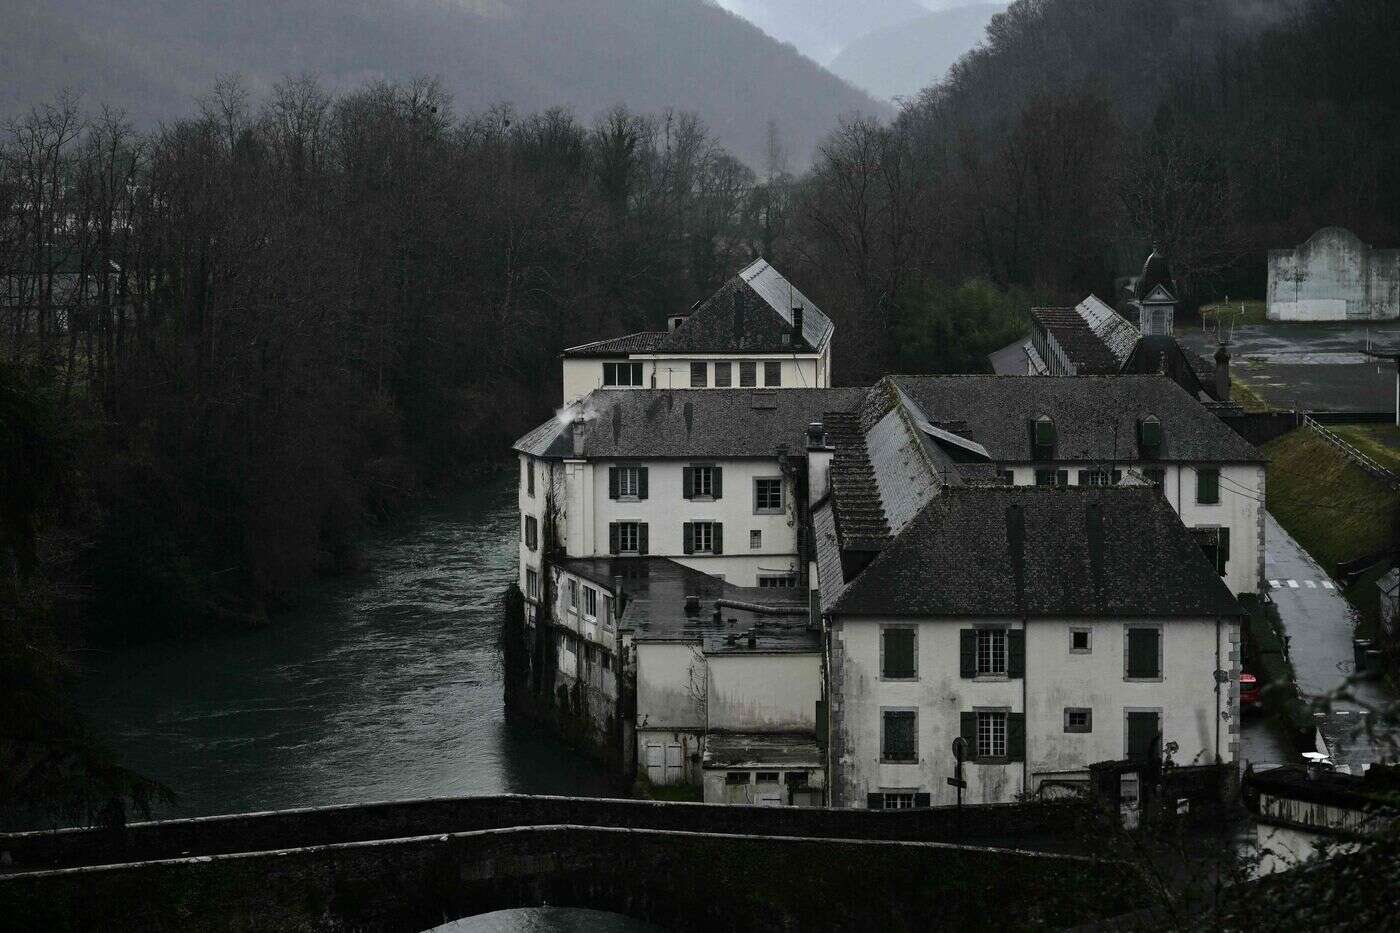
pixel 796 324
pixel 1222 373
pixel 816 436
pixel 579 429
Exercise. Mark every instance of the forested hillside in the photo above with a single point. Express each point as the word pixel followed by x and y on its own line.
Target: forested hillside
pixel 152 58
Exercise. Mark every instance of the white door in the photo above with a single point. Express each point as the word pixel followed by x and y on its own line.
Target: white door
pixel 656 770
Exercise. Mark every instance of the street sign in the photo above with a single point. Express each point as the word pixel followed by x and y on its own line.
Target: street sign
pixel 958 783
pixel 959 748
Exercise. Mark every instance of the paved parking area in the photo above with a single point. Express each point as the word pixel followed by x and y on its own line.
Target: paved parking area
pixel 1309 366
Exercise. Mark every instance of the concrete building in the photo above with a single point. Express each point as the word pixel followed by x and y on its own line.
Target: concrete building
pixel 757 331
pixel 1334 277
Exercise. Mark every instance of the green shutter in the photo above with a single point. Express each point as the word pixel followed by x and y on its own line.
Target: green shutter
pixel 1062 477
pixel 642 544
pixel 613 487
pixel 688 538
pixel 967 728
pixel 718 537
pixel 641 482
pixel 1222 551
pixel 1016 652
pixel 922 801
pixel 612 538
pixel 821 723
pixel 718 487
pixel 1083 477
pixel 967 652
pixel 1016 736
pixel 688 482
pixel 1142 652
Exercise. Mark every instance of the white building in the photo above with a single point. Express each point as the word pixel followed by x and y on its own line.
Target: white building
pixel 757 331
pixel 1334 276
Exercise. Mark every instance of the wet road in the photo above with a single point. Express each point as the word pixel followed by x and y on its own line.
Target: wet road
pixel 1309 366
pixel 382 686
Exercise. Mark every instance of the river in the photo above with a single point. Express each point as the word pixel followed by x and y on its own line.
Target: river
pixel 381 686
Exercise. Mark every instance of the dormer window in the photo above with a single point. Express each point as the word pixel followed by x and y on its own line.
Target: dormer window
pixel 1043 438
pixel 1150 437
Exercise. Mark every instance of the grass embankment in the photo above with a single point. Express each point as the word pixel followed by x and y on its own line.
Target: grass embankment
pixel 1380 442
pixel 1242 393
pixel 1235 312
pixel 1333 508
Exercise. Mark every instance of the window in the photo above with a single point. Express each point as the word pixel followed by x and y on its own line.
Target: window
pixel 899 736
pixel 755 540
pixel 1007 477
pixel 628 537
pixel 735 778
pixel 607 660
pixel 1215 544
pixel 702 482
pixel 773 373
pixel 1150 437
pixel 795 778
pixel 1142 732
pixel 702 538
pixel 899 800
pixel 532 583
pixel 748 375
pixel 699 375
pixel 622 374
pixel 766 777
pixel 991 651
pixel 897 653
pixel 532 532
pixel 777 581
pixel 1143 652
pixel 1207 486
pixel 1079 719
pixel 1079 641
pixel 627 482
pixel 1051 477
pixel 991 734
pixel 722 375
pixel 573 595
pixel 590 602
pixel 1043 438
pixel 529 478
pixel 1099 477
pixel 1156 476
pixel 768 495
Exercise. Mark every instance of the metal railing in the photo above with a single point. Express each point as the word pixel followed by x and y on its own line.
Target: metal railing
pixel 1365 462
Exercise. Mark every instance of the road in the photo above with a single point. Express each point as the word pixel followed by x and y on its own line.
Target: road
pixel 1319 624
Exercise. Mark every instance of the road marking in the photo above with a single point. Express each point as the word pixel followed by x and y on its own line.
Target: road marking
pixel 1328 584
pixel 1293 584
pixel 1275 584
pixel 1311 584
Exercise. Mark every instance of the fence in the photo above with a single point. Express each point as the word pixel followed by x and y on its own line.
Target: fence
pixel 1361 459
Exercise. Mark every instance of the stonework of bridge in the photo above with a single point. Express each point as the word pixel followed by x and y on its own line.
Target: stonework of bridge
pixel 415 864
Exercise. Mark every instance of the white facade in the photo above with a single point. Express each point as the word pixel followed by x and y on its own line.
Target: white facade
pixel 1333 277
pixel 794 371
pixel 1239 506
pixel 1058 678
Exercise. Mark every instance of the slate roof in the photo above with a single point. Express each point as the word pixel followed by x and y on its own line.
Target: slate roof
pixel 646 341
pixel 1095 338
pixel 1096 417
pixel 750 313
pixel 1118 552
pixel 775 750
pixel 660 423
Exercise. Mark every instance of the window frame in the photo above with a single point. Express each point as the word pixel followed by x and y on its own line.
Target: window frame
pixel 709 529
pixel 1214 473
pixel 1058 477
pixel 635 375
pixel 703 372
pixel 1088 634
pixel 748 374
pixel 636 527
pixel 885 713
pixel 769 581
pixel 529 477
pixel 755 539
pixel 707 470
pixel 727 380
pixel 590 602
pixel 731 778
pixel 531 533
pixel 626 471
pixel 1086 727
pixel 991 631
pixel 532 584
pixel 772 374
pixel 758 507
pixel 897 799
pixel 1128 629
pixel 913 675
pixel 992 715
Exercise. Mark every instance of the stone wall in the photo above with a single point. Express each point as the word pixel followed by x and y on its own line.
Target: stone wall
pixel 683 881
pixel 1333 277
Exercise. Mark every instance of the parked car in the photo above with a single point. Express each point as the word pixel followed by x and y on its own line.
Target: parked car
pixel 1249 691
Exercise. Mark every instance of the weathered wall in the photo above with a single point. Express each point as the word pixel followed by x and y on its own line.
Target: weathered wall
pixel 764 692
pixel 582 376
pixel 682 881
pixel 1333 277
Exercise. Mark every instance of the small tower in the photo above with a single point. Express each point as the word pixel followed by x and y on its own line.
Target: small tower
pixel 1155 296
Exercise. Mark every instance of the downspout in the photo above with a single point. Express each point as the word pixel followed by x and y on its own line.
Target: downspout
pixel 1016 540
pixel 1217 686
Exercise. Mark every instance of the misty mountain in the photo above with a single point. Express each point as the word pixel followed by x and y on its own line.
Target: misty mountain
pixel 153 58
pixel 901 60
pixel 822 28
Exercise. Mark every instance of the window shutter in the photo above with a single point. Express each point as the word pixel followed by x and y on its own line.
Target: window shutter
pixel 1016 652
pixel 612 538
pixel 642 538
pixel 613 488
pixel 1016 736
pixel 718 532
pixel 641 482
pixel 1222 552
pixel 718 488
pixel 967 728
pixel 1083 477
pixel 967 652
pixel 1117 477
pixel 525 530
pixel 1142 652
pixel 688 482
pixel 1062 477
pixel 874 801
pixel 922 801
pixel 688 538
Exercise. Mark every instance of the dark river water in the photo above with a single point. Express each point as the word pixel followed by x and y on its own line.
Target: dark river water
pixel 381 686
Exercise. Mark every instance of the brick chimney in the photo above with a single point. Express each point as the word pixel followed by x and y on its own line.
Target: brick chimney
pixel 1222 373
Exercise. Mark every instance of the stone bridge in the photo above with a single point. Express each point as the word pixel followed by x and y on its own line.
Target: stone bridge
pixel 414 864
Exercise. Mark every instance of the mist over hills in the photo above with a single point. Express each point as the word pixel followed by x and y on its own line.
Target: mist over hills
pixel 903 59
pixel 822 28
pixel 153 58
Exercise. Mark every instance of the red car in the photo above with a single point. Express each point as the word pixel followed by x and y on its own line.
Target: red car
pixel 1249 691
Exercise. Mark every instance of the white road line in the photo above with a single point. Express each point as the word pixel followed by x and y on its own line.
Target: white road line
pixel 1311 584
pixel 1293 584
pixel 1275 584
pixel 1328 584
